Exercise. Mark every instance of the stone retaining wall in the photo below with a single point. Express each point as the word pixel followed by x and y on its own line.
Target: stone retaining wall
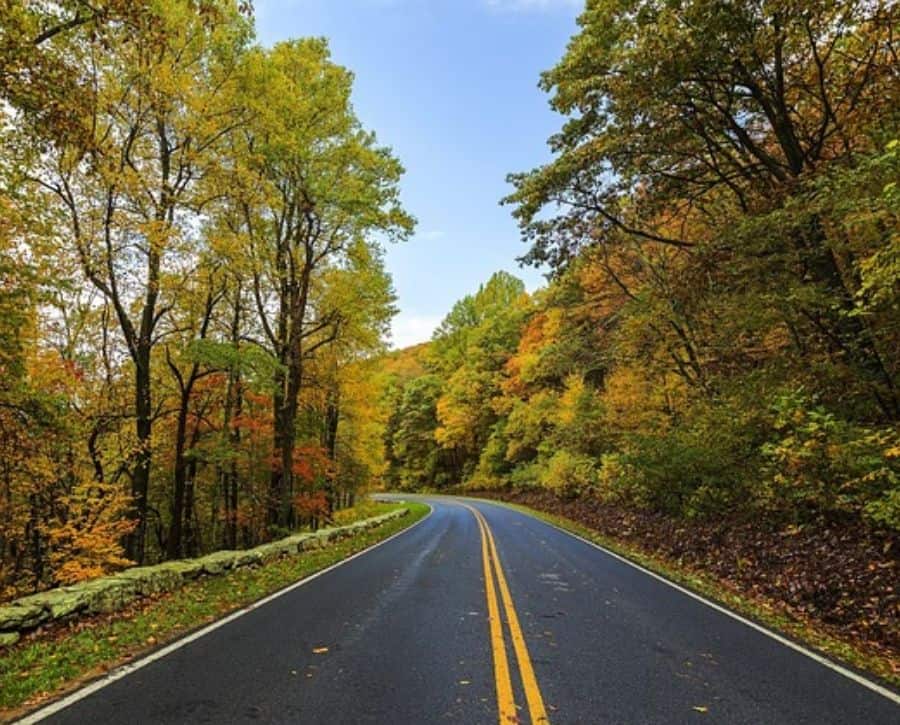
pixel 110 593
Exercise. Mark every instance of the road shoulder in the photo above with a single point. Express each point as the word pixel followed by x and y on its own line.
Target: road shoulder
pixel 875 671
pixel 86 655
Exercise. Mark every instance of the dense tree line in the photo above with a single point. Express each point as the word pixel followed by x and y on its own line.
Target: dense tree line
pixel 722 326
pixel 189 284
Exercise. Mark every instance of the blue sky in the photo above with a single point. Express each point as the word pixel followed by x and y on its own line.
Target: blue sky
pixel 451 86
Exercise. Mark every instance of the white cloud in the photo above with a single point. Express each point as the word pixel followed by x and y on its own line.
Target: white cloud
pixel 409 329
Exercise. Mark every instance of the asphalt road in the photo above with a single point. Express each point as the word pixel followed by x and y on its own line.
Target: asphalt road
pixel 577 637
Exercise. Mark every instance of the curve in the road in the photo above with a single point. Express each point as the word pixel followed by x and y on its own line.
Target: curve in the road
pixel 409 627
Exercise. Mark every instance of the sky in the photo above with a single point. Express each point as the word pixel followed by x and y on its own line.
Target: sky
pixel 451 87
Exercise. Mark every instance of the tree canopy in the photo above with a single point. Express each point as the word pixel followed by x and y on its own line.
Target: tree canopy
pixel 192 281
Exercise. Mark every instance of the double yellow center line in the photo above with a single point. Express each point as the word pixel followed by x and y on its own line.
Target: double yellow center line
pixel 505 702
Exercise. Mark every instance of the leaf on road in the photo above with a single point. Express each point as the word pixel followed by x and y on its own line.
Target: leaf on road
pixel 319 650
pixel 700 708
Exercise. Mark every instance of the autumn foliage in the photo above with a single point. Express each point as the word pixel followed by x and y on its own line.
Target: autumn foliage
pixel 191 281
pixel 720 334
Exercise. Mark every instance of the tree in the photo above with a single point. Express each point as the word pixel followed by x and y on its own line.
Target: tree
pixel 315 185
pixel 128 182
pixel 683 113
pixel 414 458
pixel 192 315
pixel 451 338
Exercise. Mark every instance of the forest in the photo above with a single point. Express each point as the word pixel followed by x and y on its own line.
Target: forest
pixel 194 301
pixel 191 282
pixel 721 329
pixel 713 365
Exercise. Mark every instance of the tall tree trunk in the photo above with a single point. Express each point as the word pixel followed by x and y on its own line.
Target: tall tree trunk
pixel 233 481
pixel 332 419
pixel 281 444
pixel 140 483
pixel 183 475
pixel 288 382
pixel 37 548
pixel 284 440
pixel 174 540
pixel 228 474
pixel 191 534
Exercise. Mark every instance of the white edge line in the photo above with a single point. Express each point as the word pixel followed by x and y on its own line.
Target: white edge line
pixel 127 669
pixel 849 674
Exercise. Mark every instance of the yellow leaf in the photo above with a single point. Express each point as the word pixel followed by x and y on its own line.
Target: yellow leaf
pixel 320 650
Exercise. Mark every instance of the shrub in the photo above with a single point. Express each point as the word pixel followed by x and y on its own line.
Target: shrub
pixel 526 475
pixel 569 474
pixel 706 464
pixel 820 463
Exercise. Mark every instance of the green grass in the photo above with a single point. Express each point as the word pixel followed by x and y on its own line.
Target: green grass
pixel 763 612
pixel 37 668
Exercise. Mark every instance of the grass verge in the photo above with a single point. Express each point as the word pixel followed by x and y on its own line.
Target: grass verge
pixel 762 611
pixel 56 660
